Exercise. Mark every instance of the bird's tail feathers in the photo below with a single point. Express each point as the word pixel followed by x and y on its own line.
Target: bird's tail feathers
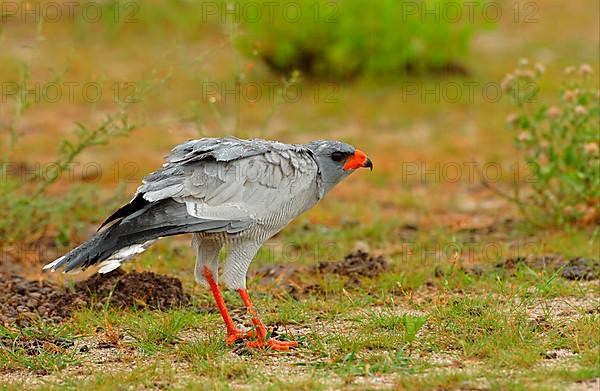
pixel 110 254
pixel 134 233
pixel 111 246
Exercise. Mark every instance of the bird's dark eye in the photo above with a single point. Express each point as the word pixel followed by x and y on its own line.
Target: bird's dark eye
pixel 338 156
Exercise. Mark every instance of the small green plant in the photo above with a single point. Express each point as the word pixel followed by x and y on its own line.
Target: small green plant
pixel 41 347
pixel 29 211
pixel 350 38
pixel 407 325
pixel 153 333
pixel 560 144
pixel 484 329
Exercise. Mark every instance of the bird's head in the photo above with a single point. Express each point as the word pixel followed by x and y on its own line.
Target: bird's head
pixel 337 160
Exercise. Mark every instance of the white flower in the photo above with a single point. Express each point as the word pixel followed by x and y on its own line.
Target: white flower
pixel 579 109
pixel 524 136
pixel 570 96
pixel 585 70
pixel 591 148
pixel 553 112
pixel 507 81
pixel 540 68
pixel 511 118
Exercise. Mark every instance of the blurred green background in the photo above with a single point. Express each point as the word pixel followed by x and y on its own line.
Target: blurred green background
pixel 411 82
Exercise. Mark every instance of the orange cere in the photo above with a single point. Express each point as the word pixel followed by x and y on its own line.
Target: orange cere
pixel 356 161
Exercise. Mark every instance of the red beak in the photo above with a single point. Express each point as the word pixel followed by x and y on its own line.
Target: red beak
pixel 358 160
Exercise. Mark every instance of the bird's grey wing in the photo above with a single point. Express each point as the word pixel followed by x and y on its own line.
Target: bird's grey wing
pixel 136 232
pixel 209 185
pixel 234 179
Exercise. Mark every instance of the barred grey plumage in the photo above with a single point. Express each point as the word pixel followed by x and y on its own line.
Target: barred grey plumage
pixel 226 191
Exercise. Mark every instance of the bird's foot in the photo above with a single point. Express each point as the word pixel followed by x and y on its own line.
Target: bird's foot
pixel 237 335
pixel 264 340
pixel 263 337
pixel 261 342
pixel 282 346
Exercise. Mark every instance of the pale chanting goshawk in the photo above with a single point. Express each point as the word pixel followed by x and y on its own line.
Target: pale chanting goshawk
pixel 226 192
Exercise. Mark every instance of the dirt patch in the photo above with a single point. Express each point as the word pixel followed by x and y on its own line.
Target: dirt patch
pixel 577 268
pixel 297 279
pixel 581 269
pixel 144 289
pixel 585 385
pixel 561 308
pixel 34 345
pixel 356 264
pixel 24 301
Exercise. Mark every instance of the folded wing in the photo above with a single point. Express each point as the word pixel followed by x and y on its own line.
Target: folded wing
pixel 207 185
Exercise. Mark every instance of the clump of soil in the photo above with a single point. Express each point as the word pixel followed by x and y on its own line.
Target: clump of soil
pixel 581 269
pixel 23 302
pixel 357 264
pixel 544 262
pixel 296 279
pixel 144 289
pixel 578 268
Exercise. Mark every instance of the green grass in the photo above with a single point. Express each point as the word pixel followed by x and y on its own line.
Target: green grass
pixel 342 341
pixel 407 328
pixel 500 335
pixel 151 333
pixel 426 323
pixel 326 36
pixel 40 348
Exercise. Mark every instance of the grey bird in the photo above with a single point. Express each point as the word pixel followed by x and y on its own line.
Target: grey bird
pixel 226 192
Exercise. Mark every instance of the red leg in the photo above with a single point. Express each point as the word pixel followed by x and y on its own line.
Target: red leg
pixel 233 334
pixel 261 330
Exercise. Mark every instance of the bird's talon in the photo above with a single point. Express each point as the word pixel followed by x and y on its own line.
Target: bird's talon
pixel 282 346
pixel 237 335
